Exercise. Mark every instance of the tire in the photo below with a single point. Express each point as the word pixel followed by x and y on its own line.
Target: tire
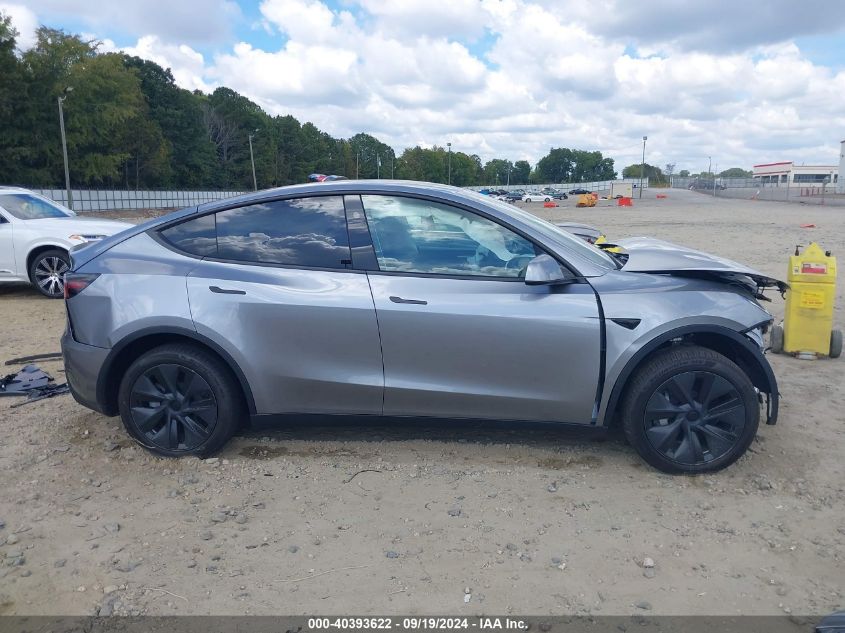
pixel 528 200
pixel 835 343
pixel 46 272
pixel 694 436
pixel 178 400
pixel 547 200
pixel 776 339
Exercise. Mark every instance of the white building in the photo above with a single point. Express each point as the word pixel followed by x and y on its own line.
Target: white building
pixel 789 174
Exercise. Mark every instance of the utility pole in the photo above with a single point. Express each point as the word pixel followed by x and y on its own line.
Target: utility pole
pixel 252 160
pixel 449 177
pixel 64 147
pixel 357 158
pixel 642 167
pixel 392 162
pixel 378 166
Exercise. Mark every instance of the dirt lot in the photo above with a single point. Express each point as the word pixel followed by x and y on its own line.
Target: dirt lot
pixel 528 521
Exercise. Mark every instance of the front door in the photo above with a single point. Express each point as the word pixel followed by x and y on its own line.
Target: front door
pixel 461 334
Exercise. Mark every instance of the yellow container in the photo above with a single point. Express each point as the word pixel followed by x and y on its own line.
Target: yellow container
pixel 808 321
pixel 586 200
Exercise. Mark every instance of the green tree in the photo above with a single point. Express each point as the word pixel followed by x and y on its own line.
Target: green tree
pixel 179 115
pixel 652 172
pixel 736 172
pixel 14 137
pixel 106 122
pixel 368 152
pixel 684 173
pixel 521 172
pixel 498 171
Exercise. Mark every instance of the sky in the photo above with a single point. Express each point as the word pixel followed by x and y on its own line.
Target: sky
pixel 735 83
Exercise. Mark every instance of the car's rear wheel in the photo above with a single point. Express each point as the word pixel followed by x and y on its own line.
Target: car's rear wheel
pixel 690 410
pixel 180 400
pixel 47 272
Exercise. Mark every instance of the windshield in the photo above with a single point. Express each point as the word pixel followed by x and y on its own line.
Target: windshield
pixel 579 246
pixel 29 206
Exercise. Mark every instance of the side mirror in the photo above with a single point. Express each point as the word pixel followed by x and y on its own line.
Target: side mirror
pixel 544 270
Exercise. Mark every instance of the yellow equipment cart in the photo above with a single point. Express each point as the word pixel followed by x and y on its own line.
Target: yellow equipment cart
pixel 807 329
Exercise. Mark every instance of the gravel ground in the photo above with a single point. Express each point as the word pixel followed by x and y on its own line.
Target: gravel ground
pixel 446 518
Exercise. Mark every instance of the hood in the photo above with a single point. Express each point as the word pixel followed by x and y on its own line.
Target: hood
pixel 649 255
pixel 584 231
pixel 77 224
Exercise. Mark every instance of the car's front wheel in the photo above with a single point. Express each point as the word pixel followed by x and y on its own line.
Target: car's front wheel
pixel 690 410
pixel 47 272
pixel 179 400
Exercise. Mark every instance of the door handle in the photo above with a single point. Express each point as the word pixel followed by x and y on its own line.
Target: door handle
pixel 226 291
pixel 418 302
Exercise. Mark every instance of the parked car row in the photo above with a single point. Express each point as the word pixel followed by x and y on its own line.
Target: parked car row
pixel 547 194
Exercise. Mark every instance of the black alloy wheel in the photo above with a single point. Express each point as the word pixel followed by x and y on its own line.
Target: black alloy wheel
pixel 173 407
pixel 694 417
pixel 689 409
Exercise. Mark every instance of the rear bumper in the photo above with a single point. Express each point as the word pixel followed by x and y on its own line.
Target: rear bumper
pixel 83 364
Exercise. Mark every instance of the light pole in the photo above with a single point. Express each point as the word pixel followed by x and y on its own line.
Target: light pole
pixel 449 161
pixel 61 99
pixel 252 160
pixel 642 167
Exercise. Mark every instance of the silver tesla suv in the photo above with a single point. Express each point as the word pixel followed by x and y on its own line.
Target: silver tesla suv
pixel 406 299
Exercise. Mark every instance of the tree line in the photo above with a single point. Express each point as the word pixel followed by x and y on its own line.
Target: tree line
pixel 658 176
pixel 129 125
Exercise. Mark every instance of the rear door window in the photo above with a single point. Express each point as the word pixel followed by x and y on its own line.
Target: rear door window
pixel 308 232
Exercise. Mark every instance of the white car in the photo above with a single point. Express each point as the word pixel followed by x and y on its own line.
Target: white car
pixel 536 196
pixel 36 235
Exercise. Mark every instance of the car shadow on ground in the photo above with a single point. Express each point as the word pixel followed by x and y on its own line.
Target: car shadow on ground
pixel 547 436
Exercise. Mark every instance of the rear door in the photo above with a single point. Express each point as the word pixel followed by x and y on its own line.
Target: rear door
pixel 462 335
pixel 276 289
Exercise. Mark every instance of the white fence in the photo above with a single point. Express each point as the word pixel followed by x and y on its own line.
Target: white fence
pixel 115 199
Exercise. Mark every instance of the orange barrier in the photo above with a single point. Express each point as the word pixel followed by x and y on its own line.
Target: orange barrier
pixel 549 205
pixel 624 202
pixel 662 195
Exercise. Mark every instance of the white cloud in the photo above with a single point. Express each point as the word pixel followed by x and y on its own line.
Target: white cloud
pixel 186 64
pixel 24 20
pixel 512 78
pixel 191 21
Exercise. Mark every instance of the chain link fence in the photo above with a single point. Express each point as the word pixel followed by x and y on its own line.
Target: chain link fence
pixel 755 189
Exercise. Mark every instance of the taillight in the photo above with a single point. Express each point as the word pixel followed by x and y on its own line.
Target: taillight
pixel 77 282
